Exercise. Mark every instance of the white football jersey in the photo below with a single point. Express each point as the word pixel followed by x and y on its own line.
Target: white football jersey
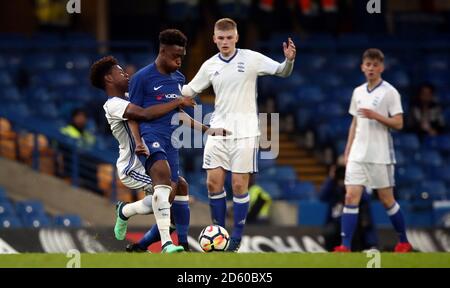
pixel 373 141
pixel 234 83
pixel 128 164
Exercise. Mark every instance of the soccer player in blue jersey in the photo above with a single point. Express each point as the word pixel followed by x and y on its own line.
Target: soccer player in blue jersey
pixel 158 83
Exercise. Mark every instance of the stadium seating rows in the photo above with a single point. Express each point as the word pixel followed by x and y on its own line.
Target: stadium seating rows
pixel 53 70
pixel 31 214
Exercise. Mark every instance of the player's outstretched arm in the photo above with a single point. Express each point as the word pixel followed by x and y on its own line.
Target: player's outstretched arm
pixel 189 121
pixel 137 113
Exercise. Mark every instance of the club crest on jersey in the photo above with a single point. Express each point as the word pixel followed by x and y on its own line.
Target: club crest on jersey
pixel 241 67
pixel 156 145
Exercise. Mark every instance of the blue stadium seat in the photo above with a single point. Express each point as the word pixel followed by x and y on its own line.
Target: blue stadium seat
pixel 330 110
pixel 379 215
pixel 265 163
pixel 199 192
pixel 406 141
pixel 3 194
pixel 282 174
pixel 437 62
pixel 345 63
pixel 312 62
pixel 409 175
pixel 303 190
pixel 398 78
pixel 312 213
pixel 327 79
pixel 441 213
pixel 30 208
pixel 441 173
pixel 303 118
pixel 6 208
pixel 40 62
pixel 272 188
pixel 76 61
pixel 68 220
pixel 309 94
pixel 343 95
pixel 439 142
pixel 10 94
pixel 36 221
pixel 5 78
pixel 286 101
pixel 429 158
pixel 10 222
pixel 433 189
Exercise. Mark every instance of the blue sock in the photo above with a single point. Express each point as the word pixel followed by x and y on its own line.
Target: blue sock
pixel 181 215
pixel 398 221
pixel 348 224
pixel 218 207
pixel 152 236
pixel 240 210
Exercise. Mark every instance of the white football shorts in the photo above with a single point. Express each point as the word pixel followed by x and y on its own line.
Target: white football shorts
pixel 235 155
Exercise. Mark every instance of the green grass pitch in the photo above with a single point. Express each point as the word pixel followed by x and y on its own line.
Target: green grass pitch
pixel 228 260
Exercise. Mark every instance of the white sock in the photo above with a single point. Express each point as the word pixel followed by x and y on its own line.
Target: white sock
pixel 141 207
pixel 161 209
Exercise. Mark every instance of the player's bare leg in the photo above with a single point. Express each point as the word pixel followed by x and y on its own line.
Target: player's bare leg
pixel 394 212
pixel 215 182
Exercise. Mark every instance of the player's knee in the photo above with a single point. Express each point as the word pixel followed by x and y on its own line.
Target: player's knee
pixel 239 187
pixel 182 187
pixel 351 199
pixel 387 201
pixel 213 185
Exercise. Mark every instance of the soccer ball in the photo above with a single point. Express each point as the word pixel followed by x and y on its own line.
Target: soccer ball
pixel 213 238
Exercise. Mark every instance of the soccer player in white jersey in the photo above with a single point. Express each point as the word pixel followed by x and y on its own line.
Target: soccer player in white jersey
pixel 369 154
pixel 122 115
pixel 233 74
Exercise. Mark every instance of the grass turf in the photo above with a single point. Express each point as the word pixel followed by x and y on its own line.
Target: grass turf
pixel 228 260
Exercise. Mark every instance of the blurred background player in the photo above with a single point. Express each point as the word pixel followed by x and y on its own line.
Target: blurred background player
pixel 106 74
pixel 332 192
pixel 369 153
pixel 233 73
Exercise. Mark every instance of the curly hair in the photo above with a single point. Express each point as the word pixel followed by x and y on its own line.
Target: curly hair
pixel 172 37
pixel 101 68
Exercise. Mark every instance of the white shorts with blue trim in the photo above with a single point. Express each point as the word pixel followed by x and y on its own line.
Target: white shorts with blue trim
pixel 137 179
pixel 235 155
pixel 370 175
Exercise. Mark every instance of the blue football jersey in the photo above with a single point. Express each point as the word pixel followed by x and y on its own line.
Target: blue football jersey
pixel 149 87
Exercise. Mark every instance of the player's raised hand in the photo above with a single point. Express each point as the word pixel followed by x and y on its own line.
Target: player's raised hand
pixel 218 132
pixel 141 150
pixel 187 102
pixel 289 49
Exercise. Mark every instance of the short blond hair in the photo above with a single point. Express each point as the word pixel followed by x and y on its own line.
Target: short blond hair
pixel 225 24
